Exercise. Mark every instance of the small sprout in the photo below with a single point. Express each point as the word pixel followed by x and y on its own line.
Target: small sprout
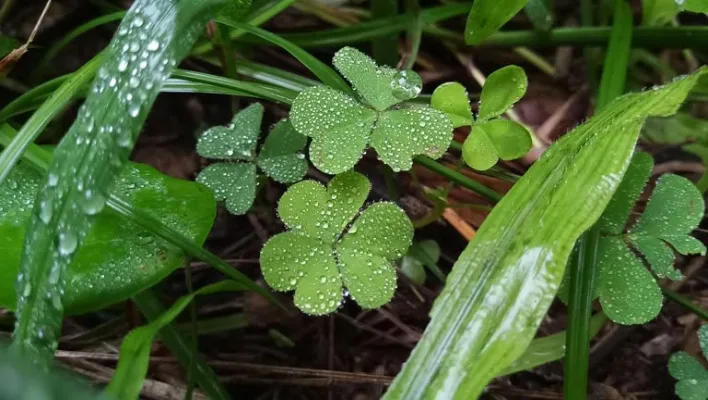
pixel 421 254
pixel 235 179
pixel 491 138
pixel 319 255
pixel 691 375
pixel 628 292
pixel 342 127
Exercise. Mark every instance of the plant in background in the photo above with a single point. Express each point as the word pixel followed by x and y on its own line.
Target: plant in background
pixel 234 179
pixel 491 138
pixel 324 250
pixel 342 127
pixel 628 292
pixel 421 255
pixel 692 376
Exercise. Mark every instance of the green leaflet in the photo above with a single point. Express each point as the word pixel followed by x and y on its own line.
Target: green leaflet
pixel 628 292
pixel 153 37
pixel 659 12
pixel 491 138
pixel 487 16
pixel 318 255
pixel 135 349
pixel 234 181
pixel 691 375
pixel 503 283
pixel 425 253
pixel 341 126
pixel 118 259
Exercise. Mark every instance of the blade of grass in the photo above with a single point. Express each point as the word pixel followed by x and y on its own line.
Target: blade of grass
pixel 48 111
pixel 90 156
pixel 385 48
pixel 135 348
pixel 152 308
pixel 321 70
pixel 583 272
pixel 415 33
pixel 59 45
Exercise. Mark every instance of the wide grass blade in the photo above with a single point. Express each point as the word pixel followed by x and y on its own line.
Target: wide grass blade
pixel 502 285
pixel 153 37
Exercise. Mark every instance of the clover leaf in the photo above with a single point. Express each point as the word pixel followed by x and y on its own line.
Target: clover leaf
pixel 324 251
pixel 691 375
pixel 491 138
pixel 341 127
pixel 234 179
pixel 628 292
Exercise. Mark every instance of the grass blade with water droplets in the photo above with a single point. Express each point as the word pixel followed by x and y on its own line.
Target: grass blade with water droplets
pixel 502 285
pixel 152 38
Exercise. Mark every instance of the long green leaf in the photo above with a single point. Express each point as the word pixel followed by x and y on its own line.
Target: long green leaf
pixel 321 70
pixel 487 16
pixel 153 37
pixel 503 283
pixel 135 349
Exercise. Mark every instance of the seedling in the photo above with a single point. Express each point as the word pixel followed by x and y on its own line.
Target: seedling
pixel 691 375
pixel 234 179
pixel 425 253
pixel 322 252
pixel 341 127
pixel 491 137
pixel 628 292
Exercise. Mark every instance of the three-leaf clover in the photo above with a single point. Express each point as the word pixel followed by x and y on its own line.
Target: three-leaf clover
pixel 628 292
pixel 234 179
pixel 491 137
pixel 691 375
pixel 341 127
pixel 323 250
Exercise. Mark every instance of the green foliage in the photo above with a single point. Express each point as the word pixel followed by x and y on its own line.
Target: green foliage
pixel 487 16
pixel 135 349
pixel 681 130
pixel 7 44
pixel 118 258
pixel 425 253
pixel 628 292
pixel 234 179
pixel 662 12
pixel 491 139
pixel 341 127
pixel 21 380
pixel 323 250
pixel 691 375
pixel 501 287
pixel 91 155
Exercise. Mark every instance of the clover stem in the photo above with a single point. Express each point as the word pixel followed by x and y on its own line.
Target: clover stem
pixel 685 303
pixel 458 178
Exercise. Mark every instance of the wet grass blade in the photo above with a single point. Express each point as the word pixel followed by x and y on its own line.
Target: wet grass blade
pixel 385 48
pixel 152 38
pixel 321 70
pixel 48 111
pixel 135 348
pixel 503 283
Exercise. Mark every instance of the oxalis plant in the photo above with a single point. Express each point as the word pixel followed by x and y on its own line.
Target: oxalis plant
pixel 627 290
pixel 491 138
pixel 234 177
pixel 690 373
pixel 331 244
pixel 342 127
